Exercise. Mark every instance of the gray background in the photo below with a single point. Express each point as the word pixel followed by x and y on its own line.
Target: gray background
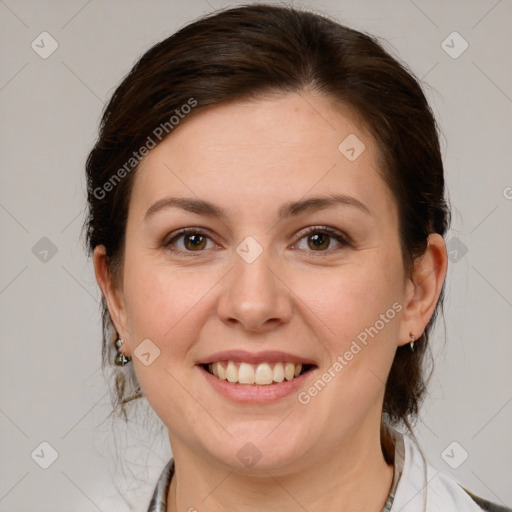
pixel 52 388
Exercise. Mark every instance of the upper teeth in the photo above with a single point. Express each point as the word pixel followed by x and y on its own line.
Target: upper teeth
pixel 261 374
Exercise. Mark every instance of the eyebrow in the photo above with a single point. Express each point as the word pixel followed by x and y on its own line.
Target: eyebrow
pixel 289 209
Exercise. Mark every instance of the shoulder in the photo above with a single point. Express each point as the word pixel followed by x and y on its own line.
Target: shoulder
pixel 423 487
pixel 487 505
pixel 445 490
pixel 461 497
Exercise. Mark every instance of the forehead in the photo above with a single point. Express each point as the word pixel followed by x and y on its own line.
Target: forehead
pixel 263 152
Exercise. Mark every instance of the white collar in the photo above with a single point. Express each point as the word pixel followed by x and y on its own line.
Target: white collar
pixel 421 488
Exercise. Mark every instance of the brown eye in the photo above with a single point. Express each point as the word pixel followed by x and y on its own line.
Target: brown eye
pixel 196 241
pixel 319 240
pixel 187 241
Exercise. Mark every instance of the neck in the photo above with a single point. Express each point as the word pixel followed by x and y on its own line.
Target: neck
pixel 353 478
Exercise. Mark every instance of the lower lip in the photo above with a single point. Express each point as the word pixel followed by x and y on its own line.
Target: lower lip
pixel 254 394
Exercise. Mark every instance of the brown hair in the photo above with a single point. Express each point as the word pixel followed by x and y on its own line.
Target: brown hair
pixel 252 50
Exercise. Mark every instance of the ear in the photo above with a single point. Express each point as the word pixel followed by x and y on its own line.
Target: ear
pixel 113 295
pixel 423 289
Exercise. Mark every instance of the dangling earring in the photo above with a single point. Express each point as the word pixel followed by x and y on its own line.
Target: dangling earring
pixel 413 338
pixel 121 359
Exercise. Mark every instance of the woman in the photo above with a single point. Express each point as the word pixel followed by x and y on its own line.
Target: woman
pixel 266 217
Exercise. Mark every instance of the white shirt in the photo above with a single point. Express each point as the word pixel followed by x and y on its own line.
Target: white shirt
pixel 421 488
pixel 417 486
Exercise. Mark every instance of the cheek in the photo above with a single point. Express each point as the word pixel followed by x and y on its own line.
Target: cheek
pixel 168 304
pixel 352 300
pixel 164 305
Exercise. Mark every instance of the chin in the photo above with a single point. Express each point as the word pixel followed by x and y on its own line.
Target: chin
pixel 258 450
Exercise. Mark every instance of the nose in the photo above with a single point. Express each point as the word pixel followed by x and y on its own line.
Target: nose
pixel 255 296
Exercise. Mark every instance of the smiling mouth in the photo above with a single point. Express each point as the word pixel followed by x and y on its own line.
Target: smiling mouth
pixel 263 374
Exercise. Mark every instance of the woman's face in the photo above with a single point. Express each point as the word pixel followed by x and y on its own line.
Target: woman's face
pixel 258 281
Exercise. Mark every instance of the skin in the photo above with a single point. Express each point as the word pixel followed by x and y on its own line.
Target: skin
pixel 250 158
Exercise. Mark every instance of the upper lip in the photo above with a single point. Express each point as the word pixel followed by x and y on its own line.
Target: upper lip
pixel 267 356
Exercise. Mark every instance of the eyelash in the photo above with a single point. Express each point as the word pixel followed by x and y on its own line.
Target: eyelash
pixel 325 230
